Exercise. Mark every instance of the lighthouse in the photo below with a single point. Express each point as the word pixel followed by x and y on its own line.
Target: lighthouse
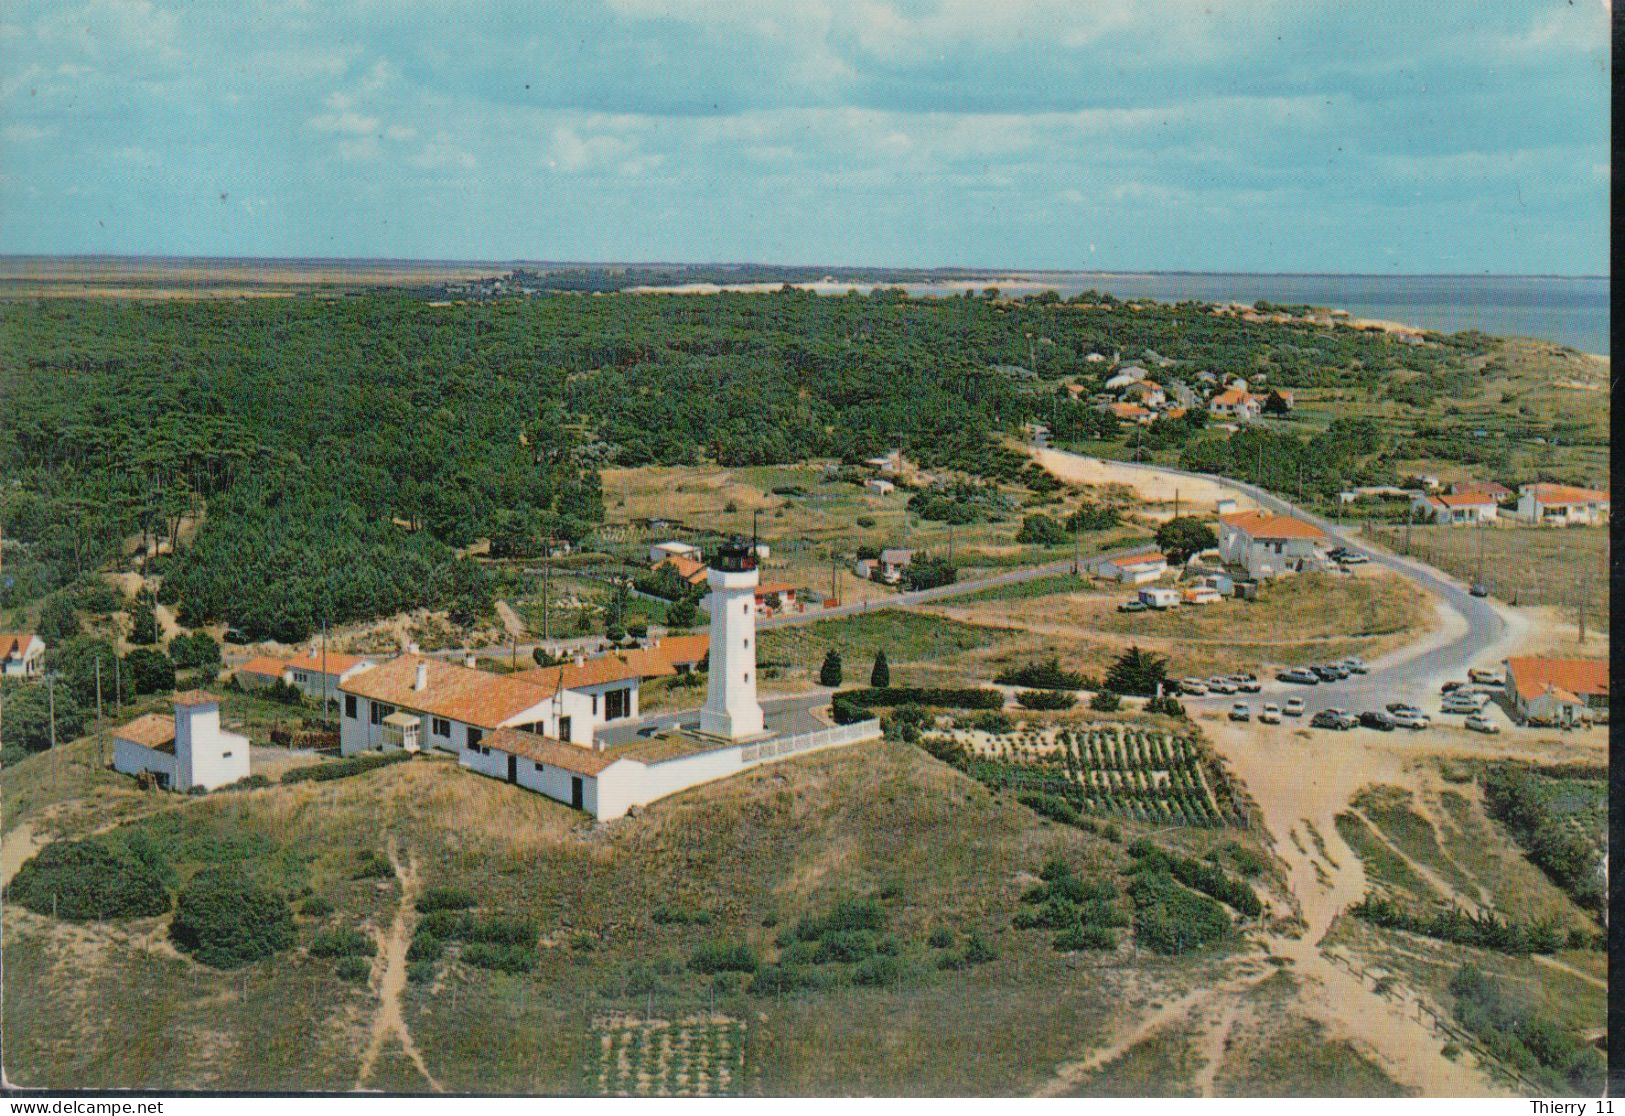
pixel 730 708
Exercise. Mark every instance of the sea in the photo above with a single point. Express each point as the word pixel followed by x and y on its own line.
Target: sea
pixel 1571 311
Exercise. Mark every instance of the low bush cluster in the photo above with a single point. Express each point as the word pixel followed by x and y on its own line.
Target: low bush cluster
pixel 1046 675
pixel 1070 905
pixel 373 865
pixel 1483 929
pixel 344 768
pixel 96 878
pixel 723 957
pixel 226 920
pixel 948 697
pixel 344 941
pixel 1172 919
pixel 1045 699
pixel 1524 1037
pixel 500 942
pixel 1204 877
pixel 445 899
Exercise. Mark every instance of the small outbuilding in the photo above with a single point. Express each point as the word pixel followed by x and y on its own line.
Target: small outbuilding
pixel 185 750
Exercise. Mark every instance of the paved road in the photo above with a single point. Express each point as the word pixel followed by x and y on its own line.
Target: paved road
pixel 1404 675
pixel 786 714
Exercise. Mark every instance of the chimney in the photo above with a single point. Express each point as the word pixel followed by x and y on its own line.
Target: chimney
pixel 581 659
pixel 422 679
pixel 411 647
pixel 313 652
pixel 468 660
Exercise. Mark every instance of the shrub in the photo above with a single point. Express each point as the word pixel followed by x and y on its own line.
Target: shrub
pixel 425 947
pixel 946 697
pixel 723 957
pixel 317 906
pixel 502 958
pixel 503 931
pixel 999 724
pixel 1085 937
pixel 880 673
pixel 680 916
pixel 149 671
pixel 855 914
pixel 247 783
pixel 1171 919
pixel 873 972
pixel 1050 806
pixel 353 968
pixel 941 938
pixel 445 899
pixel 419 972
pixel 830 673
pixel 1045 699
pixel 342 942
pixel 226 920
pixel 344 768
pixel 372 864
pixel 1047 675
pixel 447 925
pixel 1105 702
pixel 96 878
pixel 1167 706
pixel 845 945
pixel 977 951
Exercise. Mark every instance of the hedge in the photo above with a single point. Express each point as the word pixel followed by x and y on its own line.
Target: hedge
pixel 1170 918
pixel 1045 699
pixel 1204 877
pixel 352 967
pixel 226 920
pixel 342 942
pixel 723 957
pixel 969 697
pixel 95 878
pixel 344 768
pixel 445 899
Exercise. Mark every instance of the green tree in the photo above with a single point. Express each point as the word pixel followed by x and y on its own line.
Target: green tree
pixel 1183 536
pixel 143 621
pixel 682 613
pixel 198 650
pixel 148 672
pixel 880 675
pixel 28 716
pixel 1105 701
pixel 1137 672
pixel 830 673
pixel 57 619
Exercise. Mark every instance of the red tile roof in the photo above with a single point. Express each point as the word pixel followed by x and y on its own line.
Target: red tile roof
pixel 1532 676
pixel 474 697
pixel 154 730
pixel 1140 559
pixel 15 643
pixel 689 570
pixel 545 749
pixel 613 667
pixel 264 664
pixel 1268 525
pixel 188 698
pixel 1563 494
pixel 1463 499
pixel 684 649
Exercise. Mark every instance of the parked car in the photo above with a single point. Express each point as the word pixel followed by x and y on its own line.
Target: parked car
pixel 1220 686
pixel 1193 686
pixel 1401 707
pixel 1409 718
pixel 1131 606
pixel 1241 711
pixel 1327 673
pixel 1354 665
pixel 1247 683
pixel 1377 719
pixel 1482 724
pixel 1270 714
pixel 1299 675
pixel 1329 719
pixel 1460 705
pixel 1450 686
pixel 1479 589
pixel 1485 677
pixel 1293 707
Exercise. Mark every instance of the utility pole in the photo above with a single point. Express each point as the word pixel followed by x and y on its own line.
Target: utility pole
pixel 101 741
pixel 547 584
pixel 326 714
pixel 50 698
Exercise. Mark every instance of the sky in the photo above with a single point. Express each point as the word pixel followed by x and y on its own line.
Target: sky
pixel 1201 135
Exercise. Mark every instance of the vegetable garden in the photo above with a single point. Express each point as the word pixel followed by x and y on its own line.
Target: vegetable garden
pixel 699 1056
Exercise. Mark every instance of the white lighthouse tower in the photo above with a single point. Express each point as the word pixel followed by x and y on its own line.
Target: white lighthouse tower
pixel 731 709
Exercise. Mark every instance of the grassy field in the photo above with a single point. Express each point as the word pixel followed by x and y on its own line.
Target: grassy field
pixel 114 1006
pixel 809 518
pixel 1307 618
pixel 910 639
pixel 1521 565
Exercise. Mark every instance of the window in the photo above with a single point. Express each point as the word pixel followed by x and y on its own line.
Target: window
pixel 474 736
pixel 537 765
pixel 617 704
pixel 747 676
pixel 225 755
pixel 374 712
pixel 442 727
pixel 747 643
pixel 595 705
pixel 349 706
pixel 746 609
pixel 564 728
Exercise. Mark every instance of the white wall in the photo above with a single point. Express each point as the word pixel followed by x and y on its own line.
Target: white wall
pixel 205 755
pixel 554 782
pixel 132 758
pixel 730 706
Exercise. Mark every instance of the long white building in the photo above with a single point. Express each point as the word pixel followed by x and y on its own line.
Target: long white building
pixel 186 750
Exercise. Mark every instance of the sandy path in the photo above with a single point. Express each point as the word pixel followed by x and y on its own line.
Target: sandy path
pixel 392 954
pixel 1072 1074
pixel 1439 883
pixel 15 848
pixel 1151 486
pixel 1212 1048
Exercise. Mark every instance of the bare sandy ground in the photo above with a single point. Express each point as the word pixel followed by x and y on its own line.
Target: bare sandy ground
pixel 1151 487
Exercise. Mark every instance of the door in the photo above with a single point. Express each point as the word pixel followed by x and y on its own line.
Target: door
pixel 513 768
pixel 564 728
pixel 575 791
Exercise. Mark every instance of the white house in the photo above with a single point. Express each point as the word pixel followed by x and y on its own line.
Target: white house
pixel 456 705
pixel 1562 691
pixel 1201 595
pixel 880 486
pixel 674 549
pixel 1268 545
pixel 866 568
pixel 1455 509
pixel 889 462
pixel 893 561
pixel 1135 569
pixel 1123 377
pixel 1561 505
pixel 1235 403
pixel 1147 393
pixel 316 673
pixel 22 655
pixel 186 750
pixel 609 682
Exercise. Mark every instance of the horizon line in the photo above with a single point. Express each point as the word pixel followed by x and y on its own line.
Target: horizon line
pixel 1010 272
